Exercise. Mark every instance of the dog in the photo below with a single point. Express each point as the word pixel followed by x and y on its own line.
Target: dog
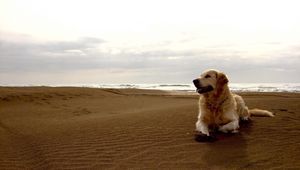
pixel 219 108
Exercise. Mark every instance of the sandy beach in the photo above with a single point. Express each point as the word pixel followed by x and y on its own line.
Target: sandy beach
pixel 87 128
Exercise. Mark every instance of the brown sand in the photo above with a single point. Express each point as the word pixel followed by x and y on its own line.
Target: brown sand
pixel 85 128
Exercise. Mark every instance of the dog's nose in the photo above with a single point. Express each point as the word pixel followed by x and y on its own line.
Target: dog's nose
pixel 196 82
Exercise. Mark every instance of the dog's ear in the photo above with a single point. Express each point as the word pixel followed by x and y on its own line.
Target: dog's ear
pixel 221 79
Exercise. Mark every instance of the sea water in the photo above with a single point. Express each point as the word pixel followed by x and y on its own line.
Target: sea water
pixel 237 87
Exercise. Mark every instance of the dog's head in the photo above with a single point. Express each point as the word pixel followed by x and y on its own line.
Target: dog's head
pixel 210 80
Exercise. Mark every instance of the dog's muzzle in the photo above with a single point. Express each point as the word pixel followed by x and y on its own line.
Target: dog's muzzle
pixel 202 89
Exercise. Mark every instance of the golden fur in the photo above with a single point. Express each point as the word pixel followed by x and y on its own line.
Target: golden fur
pixel 219 109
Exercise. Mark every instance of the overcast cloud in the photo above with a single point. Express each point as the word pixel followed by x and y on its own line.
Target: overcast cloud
pixel 137 41
pixel 29 58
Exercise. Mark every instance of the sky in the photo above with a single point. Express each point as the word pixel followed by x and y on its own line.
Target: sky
pixel 51 42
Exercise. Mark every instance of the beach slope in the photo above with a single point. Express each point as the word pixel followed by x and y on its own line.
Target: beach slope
pixel 86 128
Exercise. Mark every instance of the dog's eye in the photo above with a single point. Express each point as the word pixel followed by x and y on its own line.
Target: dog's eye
pixel 207 76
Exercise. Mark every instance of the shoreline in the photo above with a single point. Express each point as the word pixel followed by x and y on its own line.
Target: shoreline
pixel 141 89
pixel 235 87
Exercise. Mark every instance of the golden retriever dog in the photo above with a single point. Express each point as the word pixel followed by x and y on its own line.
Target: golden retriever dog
pixel 219 109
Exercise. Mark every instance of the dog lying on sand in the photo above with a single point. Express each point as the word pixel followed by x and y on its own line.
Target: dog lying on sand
pixel 218 107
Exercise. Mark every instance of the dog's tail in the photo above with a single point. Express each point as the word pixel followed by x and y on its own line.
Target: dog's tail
pixel 260 112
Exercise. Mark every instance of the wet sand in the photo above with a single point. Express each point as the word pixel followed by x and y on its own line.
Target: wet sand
pixel 86 128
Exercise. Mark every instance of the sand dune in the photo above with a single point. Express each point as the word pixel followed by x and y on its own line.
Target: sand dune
pixel 85 128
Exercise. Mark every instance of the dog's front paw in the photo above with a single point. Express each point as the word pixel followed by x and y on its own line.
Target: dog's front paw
pixel 201 132
pixel 223 129
pixel 230 127
pixel 226 130
pixel 204 132
pixel 202 128
pixel 200 137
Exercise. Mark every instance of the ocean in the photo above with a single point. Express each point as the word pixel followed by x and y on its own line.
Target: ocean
pixel 236 87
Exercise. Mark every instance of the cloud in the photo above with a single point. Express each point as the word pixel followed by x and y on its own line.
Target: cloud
pixel 82 44
pixel 47 56
pixel 86 55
